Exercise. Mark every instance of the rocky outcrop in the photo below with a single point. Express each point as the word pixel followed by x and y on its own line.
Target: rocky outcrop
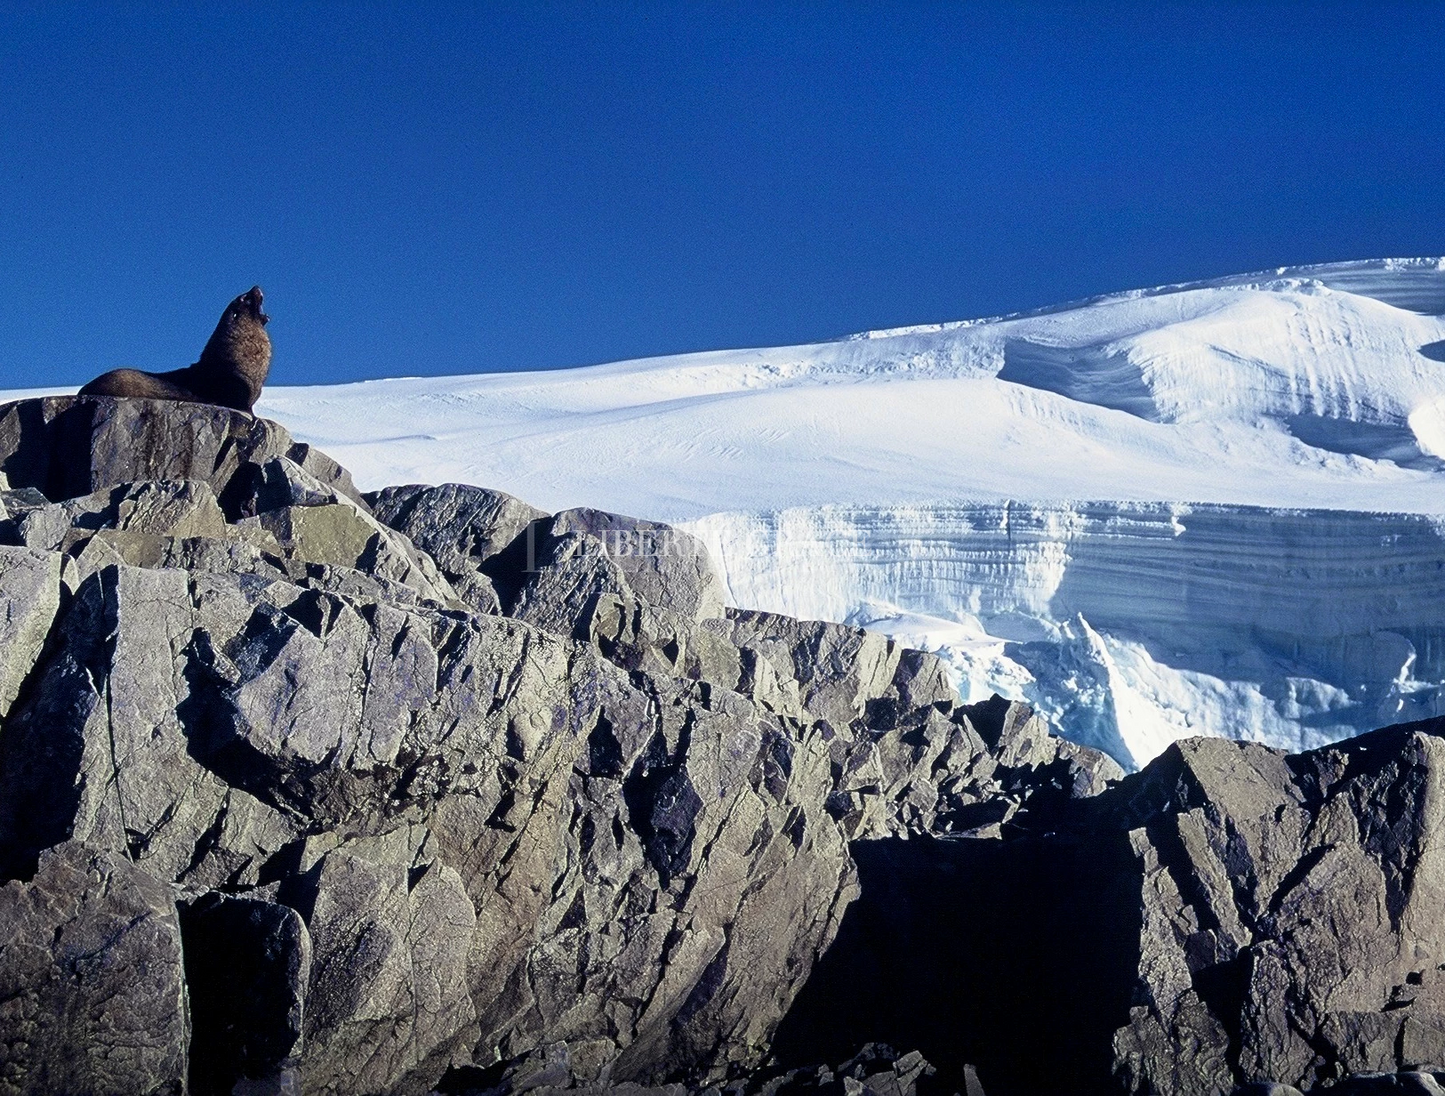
pixel 1292 911
pixel 431 791
pixel 876 1070
pixel 389 795
pixel 1229 916
pixel 428 790
pixel 69 446
pixel 462 528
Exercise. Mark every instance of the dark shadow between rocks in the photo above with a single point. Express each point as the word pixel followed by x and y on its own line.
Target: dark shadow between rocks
pixel 40 455
pixel 1018 957
pixel 509 568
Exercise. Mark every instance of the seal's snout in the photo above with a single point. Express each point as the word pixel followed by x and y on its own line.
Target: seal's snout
pixel 252 300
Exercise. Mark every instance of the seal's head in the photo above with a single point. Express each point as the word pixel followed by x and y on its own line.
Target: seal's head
pixel 242 315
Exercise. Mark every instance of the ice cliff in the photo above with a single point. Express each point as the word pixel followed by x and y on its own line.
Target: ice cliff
pixel 1130 624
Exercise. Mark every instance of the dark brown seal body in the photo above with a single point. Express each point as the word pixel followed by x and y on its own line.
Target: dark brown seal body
pixel 231 371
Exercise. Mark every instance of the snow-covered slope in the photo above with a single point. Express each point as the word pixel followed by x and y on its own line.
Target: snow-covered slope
pixel 1208 508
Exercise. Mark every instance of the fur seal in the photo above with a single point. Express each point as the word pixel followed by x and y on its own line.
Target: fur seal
pixel 231 371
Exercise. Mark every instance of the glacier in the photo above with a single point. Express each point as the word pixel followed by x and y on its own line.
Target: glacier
pixel 1212 508
pixel 1129 624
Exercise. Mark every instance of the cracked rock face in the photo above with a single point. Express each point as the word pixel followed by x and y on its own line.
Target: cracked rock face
pixel 305 791
pixel 92 991
pixel 29 601
pixel 571 825
pixel 1294 911
pixel 434 787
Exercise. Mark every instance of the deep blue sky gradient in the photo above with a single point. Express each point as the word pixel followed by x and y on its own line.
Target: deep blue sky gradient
pixel 452 189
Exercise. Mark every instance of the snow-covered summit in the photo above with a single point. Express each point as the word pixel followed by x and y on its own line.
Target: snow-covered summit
pixel 1215 508
pixel 1318 387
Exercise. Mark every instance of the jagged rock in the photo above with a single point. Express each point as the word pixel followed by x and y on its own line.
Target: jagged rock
pixel 1293 909
pixel 669 570
pixel 906 757
pixel 1369 1084
pixel 433 837
pixel 387 1002
pixel 29 600
pixel 92 993
pixel 182 508
pixel 459 525
pixel 701 879
pixel 199 722
pixel 316 524
pixel 637 590
pixel 462 528
pixel 576 590
pixel 876 1070
pixel 1265 917
pixel 102 748
pixel 293 519
pixel 838 669
pixel 237 551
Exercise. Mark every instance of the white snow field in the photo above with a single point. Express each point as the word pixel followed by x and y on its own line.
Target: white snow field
pixel 1215 508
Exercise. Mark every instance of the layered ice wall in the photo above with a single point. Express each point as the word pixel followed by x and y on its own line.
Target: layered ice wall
pixel 1130 625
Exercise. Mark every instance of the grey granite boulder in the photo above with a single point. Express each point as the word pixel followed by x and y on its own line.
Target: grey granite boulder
pixel 1293 910
pixel 466 530
pixel 92 989
pixel 666 568
pixel 691 879
pixel 102 748
pixel 1416 1082
pixel 639 591
pixel 178 508
pixel 67 446
pixel 388 1007
pixel 315 523
pixel 838 669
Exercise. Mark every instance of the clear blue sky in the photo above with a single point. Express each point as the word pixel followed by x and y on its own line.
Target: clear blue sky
pixel 450 189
